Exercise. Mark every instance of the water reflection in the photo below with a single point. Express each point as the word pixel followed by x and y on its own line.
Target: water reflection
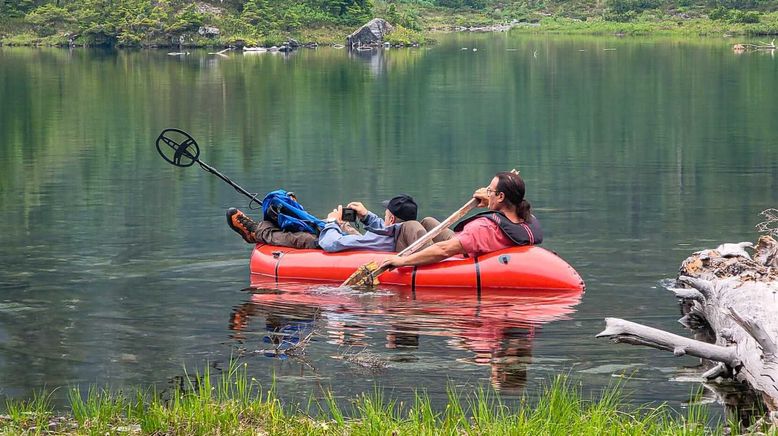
pixel 373 58
pixel 495 328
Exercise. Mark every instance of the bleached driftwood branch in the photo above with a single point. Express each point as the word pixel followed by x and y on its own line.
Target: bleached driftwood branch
pixel 619 330
pixel 734 296
pixel 756 331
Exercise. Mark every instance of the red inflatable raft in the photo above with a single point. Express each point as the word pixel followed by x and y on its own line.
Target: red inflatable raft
pixel 526 267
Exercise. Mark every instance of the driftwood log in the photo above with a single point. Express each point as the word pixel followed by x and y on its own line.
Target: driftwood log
pixel 744 46
pixel 730 300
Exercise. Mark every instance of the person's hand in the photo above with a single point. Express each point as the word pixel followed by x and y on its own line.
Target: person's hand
pixel 349 229
pixel 480 194
pixel 336 214
pixel 359 208
pixel 393 262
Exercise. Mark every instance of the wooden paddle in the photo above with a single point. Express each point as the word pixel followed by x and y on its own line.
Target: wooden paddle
pixel 367 274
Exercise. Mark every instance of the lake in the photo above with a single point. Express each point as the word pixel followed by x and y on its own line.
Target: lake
pixel 118 269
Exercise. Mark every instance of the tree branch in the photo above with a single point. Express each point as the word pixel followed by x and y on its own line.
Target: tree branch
pixel 756 331
pixel 619 330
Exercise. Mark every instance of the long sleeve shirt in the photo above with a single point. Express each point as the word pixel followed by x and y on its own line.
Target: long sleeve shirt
pixel 378 236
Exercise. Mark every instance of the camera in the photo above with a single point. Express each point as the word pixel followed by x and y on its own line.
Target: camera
pixel 349 214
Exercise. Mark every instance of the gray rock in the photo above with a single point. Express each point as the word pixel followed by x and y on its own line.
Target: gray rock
pixel 371 33
pixel 208 31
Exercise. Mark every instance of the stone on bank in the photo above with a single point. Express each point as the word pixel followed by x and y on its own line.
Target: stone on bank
pixel 371 34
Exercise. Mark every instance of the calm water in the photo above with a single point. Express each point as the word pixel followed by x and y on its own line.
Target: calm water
pixel 117 269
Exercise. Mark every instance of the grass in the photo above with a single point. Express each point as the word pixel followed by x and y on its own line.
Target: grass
pixel 234 404
pixel 654 25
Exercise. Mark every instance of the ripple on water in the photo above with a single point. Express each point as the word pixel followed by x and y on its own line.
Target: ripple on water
pixel 448 333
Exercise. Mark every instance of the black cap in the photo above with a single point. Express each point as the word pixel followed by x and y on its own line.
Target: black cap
pixel 402 206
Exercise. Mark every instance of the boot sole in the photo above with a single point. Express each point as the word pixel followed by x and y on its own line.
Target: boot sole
pixel 237 227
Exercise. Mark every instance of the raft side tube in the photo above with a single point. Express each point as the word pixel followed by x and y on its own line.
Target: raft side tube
pixel 527 267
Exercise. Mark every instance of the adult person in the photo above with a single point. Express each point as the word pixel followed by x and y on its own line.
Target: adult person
pixel 509 222
pixel 394 232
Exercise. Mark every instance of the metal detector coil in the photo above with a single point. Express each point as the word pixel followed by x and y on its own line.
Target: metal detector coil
pixel 178 147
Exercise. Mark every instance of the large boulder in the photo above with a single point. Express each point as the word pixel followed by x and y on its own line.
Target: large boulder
pixel 371 33
pixel 208 31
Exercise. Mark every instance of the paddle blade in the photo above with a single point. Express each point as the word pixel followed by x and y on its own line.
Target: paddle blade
pixel 364 276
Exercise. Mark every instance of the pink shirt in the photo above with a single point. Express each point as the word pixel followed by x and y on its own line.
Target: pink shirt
pixel 482 236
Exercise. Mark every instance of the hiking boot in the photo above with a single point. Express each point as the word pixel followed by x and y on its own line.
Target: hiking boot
pixel 242 224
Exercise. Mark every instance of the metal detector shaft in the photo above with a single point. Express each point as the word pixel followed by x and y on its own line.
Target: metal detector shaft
pixel 237 187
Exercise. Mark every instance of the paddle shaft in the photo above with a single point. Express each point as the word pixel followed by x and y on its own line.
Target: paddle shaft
pixel 456 216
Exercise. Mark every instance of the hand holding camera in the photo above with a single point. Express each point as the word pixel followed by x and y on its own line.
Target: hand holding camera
pixel 341 214
pixel 359 208
pixel 351 213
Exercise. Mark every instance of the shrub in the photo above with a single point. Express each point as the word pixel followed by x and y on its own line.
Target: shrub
pixel 232 25
pixel 734 16
pixel 404 36
pixel 734 4
pixel 261 14
pixel 408 17
pixel 307 16
pixel 16 8
pixel 461 4
pixel 624 11
pixel 745 17
pixel 516 11
pixel 25 38
pixel 47 19
pixel 357 13
pixel 619 17
pixel 188 19
pixel 422 3
pixel 272 39
pixel 719 13
pixel 623 6
pixel 127 38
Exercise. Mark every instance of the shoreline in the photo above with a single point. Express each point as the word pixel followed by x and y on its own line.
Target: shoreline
pixel 335 37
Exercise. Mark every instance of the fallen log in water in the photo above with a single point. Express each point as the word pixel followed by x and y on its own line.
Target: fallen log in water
pixel 743 46
pixel 730 300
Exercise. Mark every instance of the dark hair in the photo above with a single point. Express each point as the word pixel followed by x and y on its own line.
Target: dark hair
pixel 512 186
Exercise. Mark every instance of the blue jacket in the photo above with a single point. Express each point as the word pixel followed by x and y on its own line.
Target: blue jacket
pixel 378 237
